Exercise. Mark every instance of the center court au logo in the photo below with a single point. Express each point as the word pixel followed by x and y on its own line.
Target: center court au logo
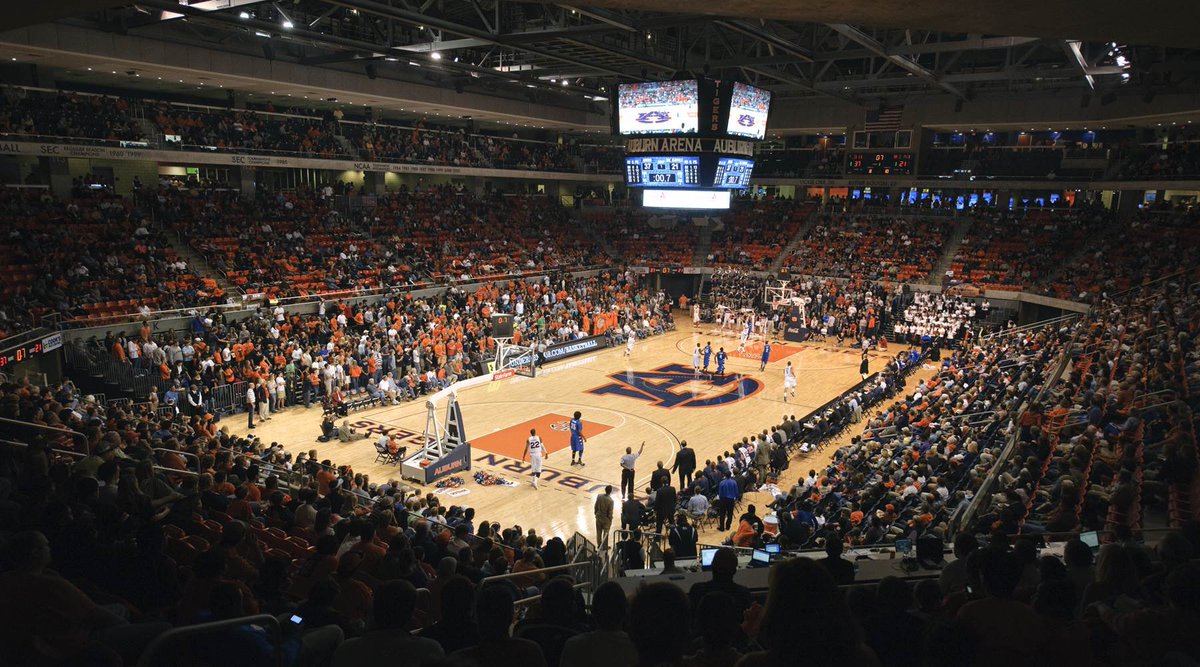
pixel 653 117
pixel 661 387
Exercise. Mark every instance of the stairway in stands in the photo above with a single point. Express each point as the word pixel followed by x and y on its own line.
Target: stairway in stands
pixel 345 146
pixel 961 227
pixel 153 136
pixel 703 246
pixel 200 266
pixel 793 244
pixel 591 228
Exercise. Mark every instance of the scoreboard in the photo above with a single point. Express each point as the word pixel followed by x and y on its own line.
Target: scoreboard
pixel 879 163
pixel 14 355
pixel 690 143
pixel 663 171
pixel 733 173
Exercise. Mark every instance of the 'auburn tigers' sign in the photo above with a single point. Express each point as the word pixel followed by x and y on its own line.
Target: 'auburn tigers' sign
pixel 663 387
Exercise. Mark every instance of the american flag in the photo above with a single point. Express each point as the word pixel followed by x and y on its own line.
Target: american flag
pixel 886 119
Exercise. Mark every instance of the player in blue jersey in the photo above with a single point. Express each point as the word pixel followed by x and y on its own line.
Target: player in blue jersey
pixel 721 361
pixel 766 356
pixel 707 355
pixel 577 440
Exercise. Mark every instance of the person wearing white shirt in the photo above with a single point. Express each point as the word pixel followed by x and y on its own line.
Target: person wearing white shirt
pixel 387 388
pixel 251 399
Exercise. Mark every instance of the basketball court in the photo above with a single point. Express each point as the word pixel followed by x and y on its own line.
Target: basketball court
pixel 652 396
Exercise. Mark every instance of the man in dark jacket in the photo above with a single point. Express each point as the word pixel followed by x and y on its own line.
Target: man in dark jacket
pixel 665 501
pixel 685 464
pixel 660 477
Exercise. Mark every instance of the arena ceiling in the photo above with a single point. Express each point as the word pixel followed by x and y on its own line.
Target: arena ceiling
pixel 859 51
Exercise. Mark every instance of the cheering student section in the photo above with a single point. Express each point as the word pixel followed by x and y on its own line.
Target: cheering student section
pixel 937 316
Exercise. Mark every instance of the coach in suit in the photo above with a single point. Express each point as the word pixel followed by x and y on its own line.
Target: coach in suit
pixel 604 513
pixel 685 463
pixel 665 502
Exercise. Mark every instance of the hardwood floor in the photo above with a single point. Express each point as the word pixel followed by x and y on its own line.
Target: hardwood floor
pixel 649 396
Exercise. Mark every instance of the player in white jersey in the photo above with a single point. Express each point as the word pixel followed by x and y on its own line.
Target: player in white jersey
pixel 696 358
pixel 696 314
pixel 789 382
pixel 629 342
pixel 744 337
pixel 537 453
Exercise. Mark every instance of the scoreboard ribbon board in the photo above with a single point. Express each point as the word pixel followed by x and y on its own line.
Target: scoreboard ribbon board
pixel 879 163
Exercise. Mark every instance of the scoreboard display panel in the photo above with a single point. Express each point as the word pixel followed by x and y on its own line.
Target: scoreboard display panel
pixel 733 173
pixel 663 171
pixel 879 163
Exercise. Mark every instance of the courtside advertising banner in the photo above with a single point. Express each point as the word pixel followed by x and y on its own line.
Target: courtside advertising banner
pixel 574 347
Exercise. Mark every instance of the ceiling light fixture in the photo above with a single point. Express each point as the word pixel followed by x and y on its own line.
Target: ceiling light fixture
pixel 435 55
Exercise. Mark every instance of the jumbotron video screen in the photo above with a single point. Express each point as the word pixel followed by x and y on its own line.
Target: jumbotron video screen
pixel 658 107
pixel 748 111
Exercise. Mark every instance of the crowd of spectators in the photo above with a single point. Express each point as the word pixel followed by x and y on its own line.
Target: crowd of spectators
pixel 1008 250
pixel 1144 247
pixel 165 516
pixel 297 244
pixel 306 132
pixel 752 236
pixel 85 256
pixel 643 239
pixel 735 289
pixel 417 144
pixel 390 349
pixel 943 316
pixel 921 458
pixel 1106 442
pixel 79 117
pixel 246 131
pixel 855 309
pixel 870 247
pixel 1178 156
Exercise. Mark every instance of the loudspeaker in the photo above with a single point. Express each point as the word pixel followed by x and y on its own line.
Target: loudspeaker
pixel 1085 100
pixel 502 325
pixel 268 51
pixel 1108 98
pixel 371 71
pixel 958 105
